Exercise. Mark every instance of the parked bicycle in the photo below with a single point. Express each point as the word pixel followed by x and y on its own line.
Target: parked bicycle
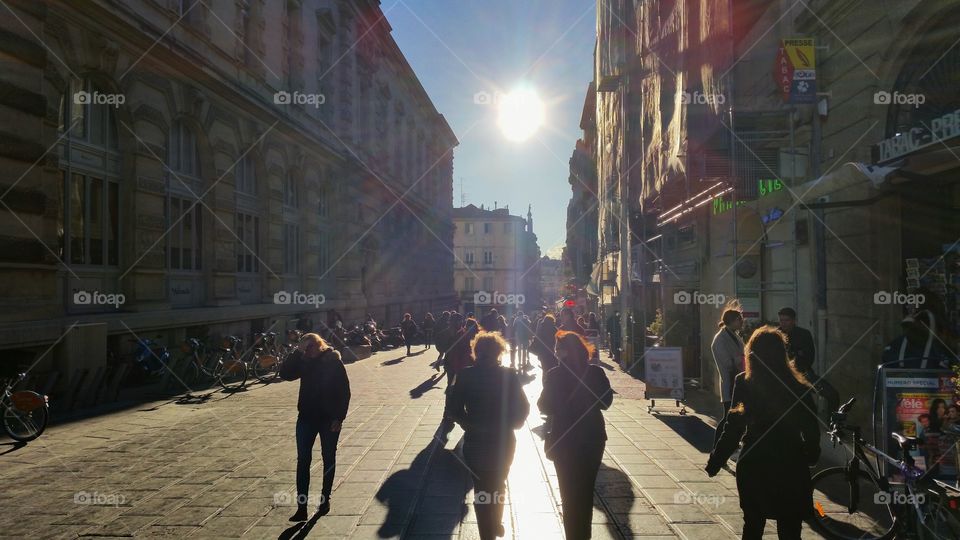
pixel 25 413
pixel 857 501
pixel 217 365
pixel 267 357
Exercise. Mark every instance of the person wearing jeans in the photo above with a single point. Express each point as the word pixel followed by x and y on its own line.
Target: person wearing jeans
pixel 322 404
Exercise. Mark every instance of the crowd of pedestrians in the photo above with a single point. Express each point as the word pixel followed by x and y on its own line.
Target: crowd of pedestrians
pixel 766 389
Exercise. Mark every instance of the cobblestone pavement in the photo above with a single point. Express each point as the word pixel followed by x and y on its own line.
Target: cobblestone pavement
pixel 224 468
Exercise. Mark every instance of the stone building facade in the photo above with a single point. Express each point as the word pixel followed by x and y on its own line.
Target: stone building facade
pixel 736 190
pixel 203 162
pixel 497 260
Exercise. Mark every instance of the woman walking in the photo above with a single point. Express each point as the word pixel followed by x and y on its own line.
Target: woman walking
pixel 774 416
pixel 487 400
pixel 544 340
pixel 574 393
pixel 727 348
pixel 427 325
pixel 322 404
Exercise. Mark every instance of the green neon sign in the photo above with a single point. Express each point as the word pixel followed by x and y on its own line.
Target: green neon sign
pixel 764 187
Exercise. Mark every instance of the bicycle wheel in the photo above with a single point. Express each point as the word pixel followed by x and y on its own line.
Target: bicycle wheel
pixel 265 367
pixel 873 518
pixel 231 373
pixel 28 422
pixel 939 521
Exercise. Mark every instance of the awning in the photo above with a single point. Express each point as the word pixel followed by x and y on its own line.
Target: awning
pixel 847 175
pixel 593 287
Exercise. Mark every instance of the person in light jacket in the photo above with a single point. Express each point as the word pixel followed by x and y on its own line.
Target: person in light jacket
pixel 727 348
pixel 322 404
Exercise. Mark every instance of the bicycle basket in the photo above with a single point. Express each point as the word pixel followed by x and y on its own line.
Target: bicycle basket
pixel 267 360
pixel 233 366
pixel 27 401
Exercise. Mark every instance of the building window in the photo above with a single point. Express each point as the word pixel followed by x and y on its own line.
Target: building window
pixel 89 221
pixel 488 284
pixel 245 175
pixel 507 228
pixel 487 227
pixel 487 257
pixel 248 243
pixel 184 158
pixel 468 228
pixel 468 257
pixel 92 217
pixel 185 238
pixel 291 195
pixel 291 248
pixel 323 200
pixel 468 284
pixel 323 253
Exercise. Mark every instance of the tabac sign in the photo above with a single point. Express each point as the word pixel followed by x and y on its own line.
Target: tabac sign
pixel 927 134
pixel 795 70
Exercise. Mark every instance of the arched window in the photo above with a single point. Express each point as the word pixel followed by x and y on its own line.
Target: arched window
pixel 184 211
pixel 90 165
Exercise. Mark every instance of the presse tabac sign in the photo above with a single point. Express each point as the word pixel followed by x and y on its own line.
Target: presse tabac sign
pixel 795 70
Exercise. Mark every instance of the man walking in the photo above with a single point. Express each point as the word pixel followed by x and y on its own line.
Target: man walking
pixel 613 331
pixel 803 351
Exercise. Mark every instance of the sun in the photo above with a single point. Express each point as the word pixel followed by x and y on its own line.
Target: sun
pixel 520 114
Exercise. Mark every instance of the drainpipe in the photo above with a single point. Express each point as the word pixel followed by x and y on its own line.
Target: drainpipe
pixel 819 238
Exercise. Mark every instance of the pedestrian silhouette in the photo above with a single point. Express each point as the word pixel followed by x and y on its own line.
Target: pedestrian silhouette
pixel 773 415
pixel 574 394
pixel 322 405
pixel 488 402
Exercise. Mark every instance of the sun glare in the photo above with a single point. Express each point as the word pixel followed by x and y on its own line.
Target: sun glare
pixel 520 114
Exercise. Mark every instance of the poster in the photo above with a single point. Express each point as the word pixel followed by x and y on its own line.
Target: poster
pixel 663 372
pixel 920 403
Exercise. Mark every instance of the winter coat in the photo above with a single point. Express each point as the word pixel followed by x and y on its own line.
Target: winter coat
pixel 727 350
pixel 324 386
pixel 773 475
pixel 801 348
pixel 572 404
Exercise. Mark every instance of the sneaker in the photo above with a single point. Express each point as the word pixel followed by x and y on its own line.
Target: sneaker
pixel 301 514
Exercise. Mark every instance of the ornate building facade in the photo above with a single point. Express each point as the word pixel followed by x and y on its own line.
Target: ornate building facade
pixel 180 169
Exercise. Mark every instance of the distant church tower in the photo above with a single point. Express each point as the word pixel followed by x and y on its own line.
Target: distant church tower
pixel 530 218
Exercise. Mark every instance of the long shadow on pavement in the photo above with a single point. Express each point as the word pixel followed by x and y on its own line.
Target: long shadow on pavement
pixel 692 428
pixel 426 385
pixel 613 495
pixel 435 482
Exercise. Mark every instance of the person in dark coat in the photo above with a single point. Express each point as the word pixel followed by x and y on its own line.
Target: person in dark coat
pixel 544 341
pixel 574 393
pixel 409 328
pixel 488 402
pixel 322 404
pixel 428 325
pixel 569 322
pixel 773 415
pixel 803 351
pixel 442 338
pixel 613 333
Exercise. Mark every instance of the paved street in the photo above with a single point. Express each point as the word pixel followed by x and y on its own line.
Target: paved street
pixel 224 468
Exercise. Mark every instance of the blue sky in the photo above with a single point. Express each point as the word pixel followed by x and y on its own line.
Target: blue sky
pixel 461 47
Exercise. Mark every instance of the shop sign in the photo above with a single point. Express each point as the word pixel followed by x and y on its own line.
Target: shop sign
pixel 795 70
pixel 901 144
pixel 764 187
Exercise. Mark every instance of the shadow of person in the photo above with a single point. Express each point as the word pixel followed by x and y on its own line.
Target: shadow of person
pixel 692 428
pixel 613 493
pixel 392 362
pixel 426 385
pixel 443 482
pixel 14 446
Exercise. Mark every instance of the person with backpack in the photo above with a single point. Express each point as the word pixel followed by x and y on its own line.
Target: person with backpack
pixel 409 328
pixel 727 348
pixel 322 404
